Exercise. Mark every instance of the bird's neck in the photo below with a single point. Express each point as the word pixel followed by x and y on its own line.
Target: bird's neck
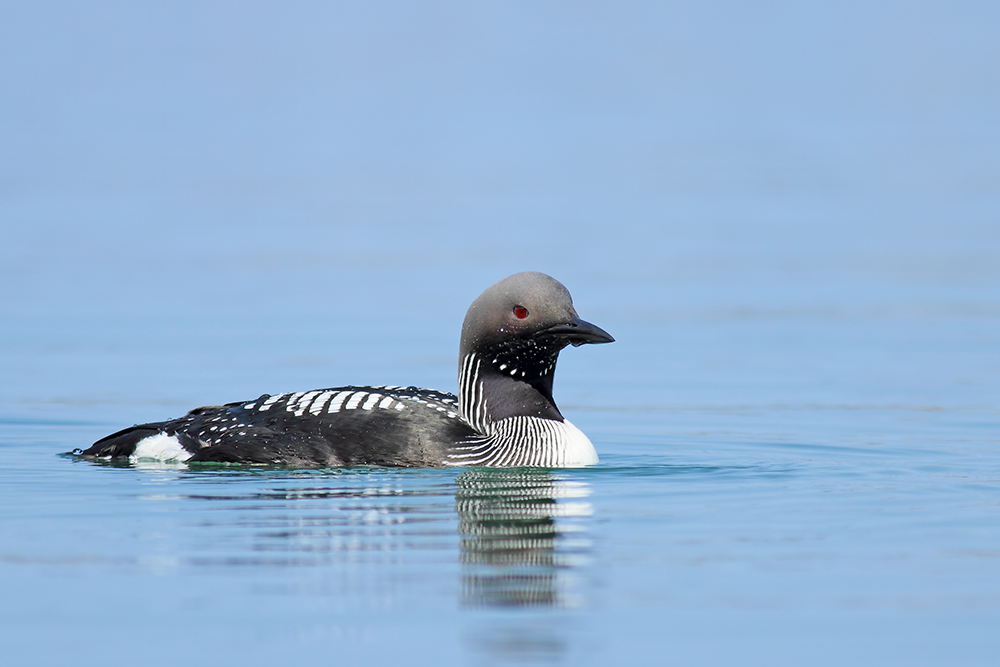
pixel 490 389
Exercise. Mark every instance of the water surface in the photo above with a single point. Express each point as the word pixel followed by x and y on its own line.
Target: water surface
pixel 786 215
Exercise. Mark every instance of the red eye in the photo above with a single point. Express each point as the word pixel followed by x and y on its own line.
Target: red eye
pixel 520 312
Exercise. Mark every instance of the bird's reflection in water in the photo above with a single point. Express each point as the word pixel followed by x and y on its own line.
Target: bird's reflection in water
pixel 523 532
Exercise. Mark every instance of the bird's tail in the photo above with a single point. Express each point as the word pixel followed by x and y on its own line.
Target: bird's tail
pixel 121 444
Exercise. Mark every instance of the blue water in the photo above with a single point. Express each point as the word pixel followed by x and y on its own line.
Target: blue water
pixel 788 217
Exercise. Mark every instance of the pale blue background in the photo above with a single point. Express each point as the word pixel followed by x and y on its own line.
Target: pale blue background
pixel 787 213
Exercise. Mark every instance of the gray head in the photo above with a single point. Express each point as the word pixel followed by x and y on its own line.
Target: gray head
pixel 516 328
pixel 527 306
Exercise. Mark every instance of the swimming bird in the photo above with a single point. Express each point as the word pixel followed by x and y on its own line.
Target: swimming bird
pixel 503 415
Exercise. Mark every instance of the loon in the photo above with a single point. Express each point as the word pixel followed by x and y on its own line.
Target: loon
pixel 503 416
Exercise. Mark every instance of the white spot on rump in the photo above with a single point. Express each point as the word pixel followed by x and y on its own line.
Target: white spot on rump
pixel 160 447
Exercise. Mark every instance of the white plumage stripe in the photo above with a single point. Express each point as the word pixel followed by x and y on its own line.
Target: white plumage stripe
pixel 527 441
pixel 303 402
pixel 270 401
pixel 337 401
pixel 320 402
pixel 293 400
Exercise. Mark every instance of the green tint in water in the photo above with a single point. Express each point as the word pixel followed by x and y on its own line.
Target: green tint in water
pixel 785 213
pixel 782 548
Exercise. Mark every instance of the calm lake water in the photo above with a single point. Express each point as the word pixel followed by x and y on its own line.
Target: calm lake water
pixel 788 217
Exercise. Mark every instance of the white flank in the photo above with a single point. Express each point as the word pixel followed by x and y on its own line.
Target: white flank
pixel 576 447
pixel 160 447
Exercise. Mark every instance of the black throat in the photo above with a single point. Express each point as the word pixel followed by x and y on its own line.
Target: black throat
pixel 516 377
